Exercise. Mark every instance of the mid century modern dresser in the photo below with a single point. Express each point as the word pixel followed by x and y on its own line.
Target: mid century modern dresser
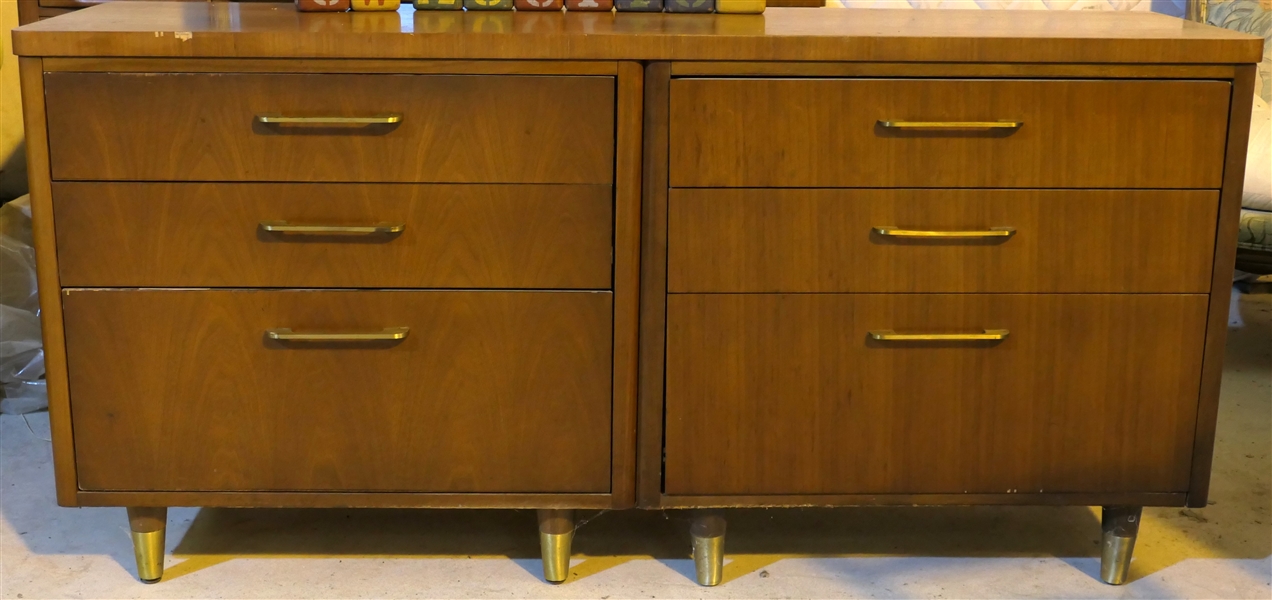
pixel 569 261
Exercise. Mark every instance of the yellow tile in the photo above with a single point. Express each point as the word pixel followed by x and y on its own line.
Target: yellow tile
pixel 376 5
pixel 740 6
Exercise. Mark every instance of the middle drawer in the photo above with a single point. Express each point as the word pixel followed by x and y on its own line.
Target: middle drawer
pixel 907 240
pixel 333 235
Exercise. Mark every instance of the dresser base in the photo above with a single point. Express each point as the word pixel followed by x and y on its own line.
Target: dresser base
pixel 707 531
pixel 1121 527
pixel 556 532
pixel 148 525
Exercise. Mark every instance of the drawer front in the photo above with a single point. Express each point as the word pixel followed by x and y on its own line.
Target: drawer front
pixel 488 392
pixel 758 240
pixel 827 133
pixel 789 394
pixel 218 235
pixel 452 128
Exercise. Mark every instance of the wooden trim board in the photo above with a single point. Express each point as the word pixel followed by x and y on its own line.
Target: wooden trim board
pixel 627 195
pixel 947 70
pixel 344 500
pixel 265 65
pixel 1221 284
pixel 49 283
pixel 653 297
pixel 1078 499
pixel 264 30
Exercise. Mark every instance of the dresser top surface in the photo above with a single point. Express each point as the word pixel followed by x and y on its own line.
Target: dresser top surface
pixel 267 30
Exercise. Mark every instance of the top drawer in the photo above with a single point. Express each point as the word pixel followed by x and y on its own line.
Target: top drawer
pixel 830 133
pixel 451 128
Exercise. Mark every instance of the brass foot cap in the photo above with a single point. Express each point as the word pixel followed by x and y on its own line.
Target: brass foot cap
pixel 556 555
pixel 1115 561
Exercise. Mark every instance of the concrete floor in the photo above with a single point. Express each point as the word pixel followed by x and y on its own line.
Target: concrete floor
pixel 1222 551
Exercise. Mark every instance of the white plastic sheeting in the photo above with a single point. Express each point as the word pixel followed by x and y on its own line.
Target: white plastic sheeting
pixel 21 349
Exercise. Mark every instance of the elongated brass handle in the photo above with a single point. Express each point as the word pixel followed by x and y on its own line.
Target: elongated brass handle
pixel 992 232
pixel 387 119
pixel 387 334
pixel 314 229
pixel 952 124
pixel 888 335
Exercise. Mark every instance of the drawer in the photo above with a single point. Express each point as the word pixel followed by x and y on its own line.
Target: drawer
pixel 488 391
pixel 908 240
pixel 789 394
pixel 829 133
pixel 451 128
pixel 217 235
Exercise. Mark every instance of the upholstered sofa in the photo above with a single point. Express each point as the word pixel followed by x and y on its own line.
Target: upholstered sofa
pixel 1254 241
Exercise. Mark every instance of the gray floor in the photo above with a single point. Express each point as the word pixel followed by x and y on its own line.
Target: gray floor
pixel 1222 551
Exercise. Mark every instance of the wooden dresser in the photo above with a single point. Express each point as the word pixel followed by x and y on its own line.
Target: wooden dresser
pixel 594 260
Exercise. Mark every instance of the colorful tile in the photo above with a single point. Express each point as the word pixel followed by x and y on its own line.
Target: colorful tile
pixel 488 4
pixel 437 4
pixel 740 6
pixel 639 5
pixel 322 5
pixel 690 6
pixel 538 4
pixel 589 5
pixel 376 5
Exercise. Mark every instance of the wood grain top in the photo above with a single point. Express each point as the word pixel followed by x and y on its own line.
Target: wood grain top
pixel 264 30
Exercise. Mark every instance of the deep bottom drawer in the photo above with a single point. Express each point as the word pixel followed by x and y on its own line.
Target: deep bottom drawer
pixel 488 391
pixel 791 394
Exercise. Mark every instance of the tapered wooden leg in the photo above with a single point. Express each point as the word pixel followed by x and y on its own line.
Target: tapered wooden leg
pixel 708 548
pixel 148 525
pixel 556 531
pixel 1121 527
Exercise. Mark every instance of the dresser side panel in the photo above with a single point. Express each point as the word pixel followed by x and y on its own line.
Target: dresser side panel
pixel 39 174
pixel 1225 257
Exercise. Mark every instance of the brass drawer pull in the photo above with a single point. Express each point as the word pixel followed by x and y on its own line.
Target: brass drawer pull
pixel 388 334
pixel 952 124
pixel 888 335
pixel 310 229
pixel 388 119
pixel 992 232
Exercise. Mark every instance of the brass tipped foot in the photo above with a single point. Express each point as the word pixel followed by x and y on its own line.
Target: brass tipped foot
pixel 708 548
pixel 556 555
pixel 148 526
pixel 1121 527
pixel 556 532
pixel 148 548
